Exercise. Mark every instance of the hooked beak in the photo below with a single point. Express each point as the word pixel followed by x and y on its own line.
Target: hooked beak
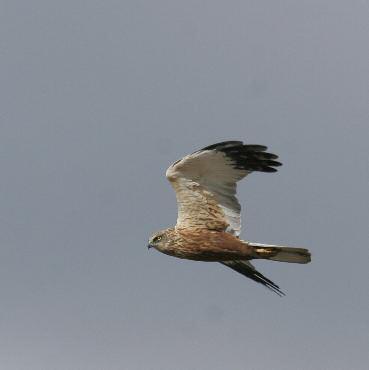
pixel 149 246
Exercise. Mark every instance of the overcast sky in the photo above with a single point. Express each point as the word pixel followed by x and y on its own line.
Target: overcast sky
pixel 97 99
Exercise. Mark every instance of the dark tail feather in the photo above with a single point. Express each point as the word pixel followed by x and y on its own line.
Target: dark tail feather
pixel 247 269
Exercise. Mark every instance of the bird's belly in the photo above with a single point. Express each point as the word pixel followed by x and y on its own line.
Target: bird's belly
pixel 209 249
pixel 197 254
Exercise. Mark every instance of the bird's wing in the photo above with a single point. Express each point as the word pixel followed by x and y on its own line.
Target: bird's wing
pixel 247 269
pixel 205 183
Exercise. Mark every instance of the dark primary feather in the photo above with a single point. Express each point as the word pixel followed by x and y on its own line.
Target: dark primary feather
pixel 247 269
pixel 222 145
pixel 247 157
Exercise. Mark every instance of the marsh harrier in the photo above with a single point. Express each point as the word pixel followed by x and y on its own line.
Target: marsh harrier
pixel 209 224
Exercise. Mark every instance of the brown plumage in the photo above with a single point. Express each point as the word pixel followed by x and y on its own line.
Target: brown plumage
pixel 208 223
pixel 203 245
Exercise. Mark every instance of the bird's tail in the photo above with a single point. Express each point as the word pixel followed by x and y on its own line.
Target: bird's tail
pixel 280 253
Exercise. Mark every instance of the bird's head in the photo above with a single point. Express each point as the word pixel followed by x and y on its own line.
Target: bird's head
pixel 158 240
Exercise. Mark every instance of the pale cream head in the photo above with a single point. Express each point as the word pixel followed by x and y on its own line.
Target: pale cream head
pixel 158 240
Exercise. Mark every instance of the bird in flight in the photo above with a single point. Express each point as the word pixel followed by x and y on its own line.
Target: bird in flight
pixel 209 222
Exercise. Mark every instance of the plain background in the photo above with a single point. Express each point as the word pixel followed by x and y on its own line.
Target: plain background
pixel 97 99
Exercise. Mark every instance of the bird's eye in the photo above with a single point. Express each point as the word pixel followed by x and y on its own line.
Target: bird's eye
pixel 157 238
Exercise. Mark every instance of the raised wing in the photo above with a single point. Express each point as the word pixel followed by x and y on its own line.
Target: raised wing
pixel 205 183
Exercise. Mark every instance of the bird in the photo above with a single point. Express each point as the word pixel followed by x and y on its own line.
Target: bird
pixel 209 214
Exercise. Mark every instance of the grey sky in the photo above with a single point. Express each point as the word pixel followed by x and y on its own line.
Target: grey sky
pixel 97 99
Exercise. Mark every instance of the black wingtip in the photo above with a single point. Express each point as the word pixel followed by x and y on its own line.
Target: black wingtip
pixel 223 145
pixel 249 157
pixel 255 275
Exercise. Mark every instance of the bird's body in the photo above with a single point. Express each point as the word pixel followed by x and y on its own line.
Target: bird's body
pixel 209 222
pixel 204 245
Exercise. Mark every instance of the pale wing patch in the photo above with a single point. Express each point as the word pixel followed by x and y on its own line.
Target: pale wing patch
pixel 205 185
pixel 197 207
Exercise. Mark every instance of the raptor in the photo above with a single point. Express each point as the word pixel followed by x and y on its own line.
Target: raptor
pixel 209 223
